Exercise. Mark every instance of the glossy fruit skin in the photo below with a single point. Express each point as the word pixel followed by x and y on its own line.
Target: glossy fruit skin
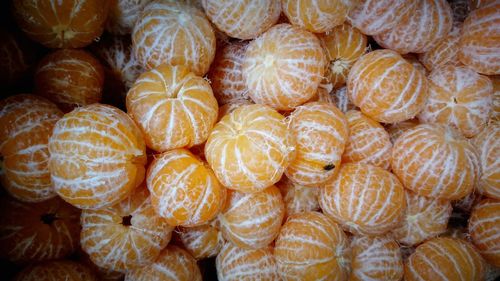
pixel 488 148
pixel 57 270
pixel 483 225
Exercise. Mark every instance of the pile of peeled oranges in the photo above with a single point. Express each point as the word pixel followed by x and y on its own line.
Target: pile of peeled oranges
pixel 189 140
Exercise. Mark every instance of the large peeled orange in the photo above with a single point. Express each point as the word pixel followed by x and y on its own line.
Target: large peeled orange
pixel 176 33
pixel 250 148
pixel 484 229
pixel 488 146
pixel 364 199
pixel 56 270
pixel 386 87
pixel 123 15
pixel 298 198
pixel 435 161
pixel 184 190
pixel 444 52
pixel 173 107
pixel 204 241
pixel 321 133
pixel 445 259
pixel 26 123
pixel 458 97
pixel 62 23
pixel 310 247
pixel 283 67
pixel 252 220
pixel 97 156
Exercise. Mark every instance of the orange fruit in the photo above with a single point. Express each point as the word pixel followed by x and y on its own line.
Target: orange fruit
pixel 484 226
pixel 488 148
pixel 173 264
pixel 419 30
pixel 343 46
pixel 445 259
pixel 458 97
pixel 444 52
pixel 26 123
pixel 375 258
pixel 386 87
pixel 176 33
pixel 495 114
pixel 480 41
pixel 364 199
pixel 56 270
pixel 374 16
pixel 424 218
pixel 311 246
pixel 243 19
pixel 435 161
pixel 61 24
pixel 232 106
pixel 235 264
pixel 97 156
pixel 298 198
pixel 173 107
pixel 321 133
pixel 397 129
pixel 16 57
pixel 204 241
pixel 250 148
pixel 283 67
pixel 252 220
pixel 123 15
pixel 38 231
pixel 184 190
pixel 225 73
pixel 337 97
pixel 126 235
pixel 316 16
pixel 368 143
pixel 70 78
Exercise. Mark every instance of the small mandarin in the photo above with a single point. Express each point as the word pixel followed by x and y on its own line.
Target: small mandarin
pixel 488 148
pixel 484 226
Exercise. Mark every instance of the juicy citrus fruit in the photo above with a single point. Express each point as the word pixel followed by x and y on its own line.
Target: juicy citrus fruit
pixel 283 67
pixel 484 226
pixel 458 97
pixel 337 97
pixel 38 231
pixel 435 161
pixel 62 23
pixel 317 16
pixel 250 148
pixel 184 190
pixel 298 198
pixel 16 57
pixel 386 87
pixel 70 78
pixel 321 133
pixel 204 241
pixel 56 270
pixel 397 129
pixel 232 106
pixel 243 19
pixel 368 143
pixel 237 264
pixel 364 199
pixel 480 40
pixel 444 52
pixel 488 146
pixel 175 33
pixel 173 264
pixel 26 123
pixel 343 46
pixel 123 15
pixel 126 235
pixel 173 107
pixel 375 258
pixel 97 156
pixel 311 246
pixel 445 259
pixel 424 218
pixel 419 30
pixel 252 220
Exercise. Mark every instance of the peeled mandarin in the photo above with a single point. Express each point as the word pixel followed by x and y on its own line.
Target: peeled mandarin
pixel 484 226
pixel 311 246
pixel 173 107
pixel 298 198
pixel 444 52
pixel 26 123
pixel 397 129
pixel 283 67
pixel 250 148
pixel 488 146
pixel 56 270
pixel 97 156
pixel 232 106
pixel 204 241
pixel 386 87
pixel 183 189
pixel 123 15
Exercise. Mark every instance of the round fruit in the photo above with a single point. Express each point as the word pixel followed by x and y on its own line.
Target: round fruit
pixel 63 23
pixel 484 226
pixel 284 67
pixel 386 87
pixel 435 161
pixel 56 270
pixel 123 15
pixel 97 156
pixel 316 16
pixel 173 107
pixel 232 106
pixel 444 52
pixel 204 241
pixel 397 129
pixel 298 198
pixel 26 123
pixel 488 146
pixel 184 190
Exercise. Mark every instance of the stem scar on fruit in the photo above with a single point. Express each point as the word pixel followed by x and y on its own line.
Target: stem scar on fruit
pixel 329 167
